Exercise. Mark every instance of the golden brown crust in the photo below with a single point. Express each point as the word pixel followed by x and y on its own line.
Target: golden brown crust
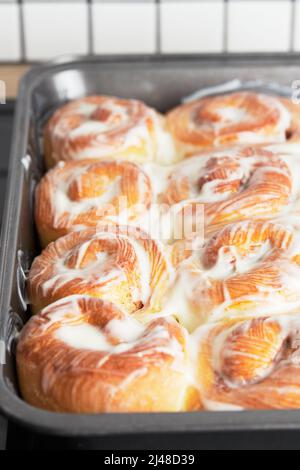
pixel 237 118
pixel 146 373
pixel 232 186
pixel 245 269
pixel 102 127
pixel 266 193
pixel 121 264
pixel 250 364
pixel 113 305
pixel 83 194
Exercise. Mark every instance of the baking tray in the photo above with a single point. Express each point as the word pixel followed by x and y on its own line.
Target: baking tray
pixel 3 431
pixel 161 82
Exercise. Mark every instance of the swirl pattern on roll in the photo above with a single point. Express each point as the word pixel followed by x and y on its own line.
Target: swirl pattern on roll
pixel 187 297
pixel 233 185
pixel 247 268
pixel 90 357
pixel 238 118
pixel 98 127
pixel 76 195
pixel 249 364
pixel 119 264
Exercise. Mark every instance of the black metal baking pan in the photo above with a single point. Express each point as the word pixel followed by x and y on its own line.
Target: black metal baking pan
pixel 161 82
pixel 3 432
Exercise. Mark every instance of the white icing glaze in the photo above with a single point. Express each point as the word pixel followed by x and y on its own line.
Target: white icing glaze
pixel 126 126
pixel 156 222
pixel 177 303
pixel 160 220
pixel 145 271
pixel 166 152
pixel 231 115
pixel 128 332
pixel 221 350
pixel 150 220
pixel 260 136
pixel 101 271
pixel 83 337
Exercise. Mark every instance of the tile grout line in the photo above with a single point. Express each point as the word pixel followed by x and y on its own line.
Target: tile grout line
pixel 90 27
pixel 22 31
pixel 225 25
pixel 158 27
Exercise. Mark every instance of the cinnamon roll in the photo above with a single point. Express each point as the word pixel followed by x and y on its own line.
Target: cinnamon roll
pixel 249 364
pixel 247 268
pixel 119 264
pixel 97 127
pixel 84 355
pixel 293 133
pixel 76 195
pixel 238 118
pixel 233 185
pixel 120 310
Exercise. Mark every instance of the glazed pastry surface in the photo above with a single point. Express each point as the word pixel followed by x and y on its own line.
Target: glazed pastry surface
pixel 169 273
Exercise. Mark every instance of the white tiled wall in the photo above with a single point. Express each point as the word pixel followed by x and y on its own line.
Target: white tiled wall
pixel 35 30
pixel 124 27
pixel 297 26
pixel 10 47
pixel 54 28
pixel 192 26
pixel 259 26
